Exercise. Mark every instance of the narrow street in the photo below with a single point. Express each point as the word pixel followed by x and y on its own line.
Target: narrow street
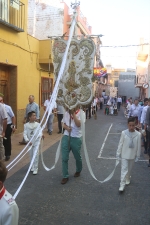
pixel 83 200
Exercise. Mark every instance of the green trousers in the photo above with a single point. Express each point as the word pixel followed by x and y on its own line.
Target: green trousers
pixel 75 147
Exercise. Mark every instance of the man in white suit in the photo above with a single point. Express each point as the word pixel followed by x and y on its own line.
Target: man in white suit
pixel 129 149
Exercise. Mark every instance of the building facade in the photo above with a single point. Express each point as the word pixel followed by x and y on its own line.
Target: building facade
pixel 126 85
pixel 143 68
pixel 22 61
pixel 53 18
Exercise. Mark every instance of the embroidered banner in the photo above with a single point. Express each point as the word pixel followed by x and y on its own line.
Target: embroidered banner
pixel 75 87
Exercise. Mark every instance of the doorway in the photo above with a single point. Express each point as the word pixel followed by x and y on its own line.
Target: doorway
pixel 8 85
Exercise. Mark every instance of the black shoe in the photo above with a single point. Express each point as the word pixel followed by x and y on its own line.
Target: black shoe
pixel 77 174
pixel 145 152
pixel 50 133
pixel 64 180
pixel 59 132
pixel 7 158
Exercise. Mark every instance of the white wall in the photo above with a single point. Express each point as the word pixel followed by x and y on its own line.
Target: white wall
pixel 45 18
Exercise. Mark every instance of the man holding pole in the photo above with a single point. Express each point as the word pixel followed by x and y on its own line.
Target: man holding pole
pixel 71 141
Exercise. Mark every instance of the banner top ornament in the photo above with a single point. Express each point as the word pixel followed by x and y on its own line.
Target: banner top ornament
pixel 75 87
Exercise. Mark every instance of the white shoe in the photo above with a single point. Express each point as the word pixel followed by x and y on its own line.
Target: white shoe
pixel 121 189
pixel 128 181
pixel 35 172
pixel 32 169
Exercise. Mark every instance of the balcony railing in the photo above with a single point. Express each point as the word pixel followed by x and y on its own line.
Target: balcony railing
pixel 12 14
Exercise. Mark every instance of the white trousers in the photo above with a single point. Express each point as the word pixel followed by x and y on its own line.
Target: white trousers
pixel 50 123
pixel 126 167
pixel 36 160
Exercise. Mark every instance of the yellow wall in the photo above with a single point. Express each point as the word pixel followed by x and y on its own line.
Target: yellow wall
pixel 22 50
pixel 45 51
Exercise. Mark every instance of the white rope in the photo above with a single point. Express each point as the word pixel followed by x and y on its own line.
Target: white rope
pixel 87 157
pixel 57 151
pixel 22 183
pixel 138 160
pixel 56 157
pixel 20 158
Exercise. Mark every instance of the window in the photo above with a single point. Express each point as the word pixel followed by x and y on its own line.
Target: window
pixel 46 88
pixel 12 14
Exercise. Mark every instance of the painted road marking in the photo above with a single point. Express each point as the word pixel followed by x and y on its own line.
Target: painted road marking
pixel 140 160
pixel 101 150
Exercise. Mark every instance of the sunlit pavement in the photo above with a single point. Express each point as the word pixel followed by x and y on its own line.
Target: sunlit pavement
pixel 83 200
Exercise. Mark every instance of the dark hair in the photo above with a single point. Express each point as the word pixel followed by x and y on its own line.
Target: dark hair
pixel 136 99
pixel 131 119
pixel 3 172
pixel 30 114
pixel 145 99
pixel 149 99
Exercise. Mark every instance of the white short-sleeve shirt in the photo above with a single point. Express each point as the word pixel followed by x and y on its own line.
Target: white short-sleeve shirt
pixel 3 115
pixel 76 131
pixel 46 104
pixel 10 113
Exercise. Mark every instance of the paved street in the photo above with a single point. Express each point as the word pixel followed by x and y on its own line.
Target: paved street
pixel 82 201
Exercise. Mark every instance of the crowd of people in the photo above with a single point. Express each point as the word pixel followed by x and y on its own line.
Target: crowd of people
pixel 111 105
pixel 69 123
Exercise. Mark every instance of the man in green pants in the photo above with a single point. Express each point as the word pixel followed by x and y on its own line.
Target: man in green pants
pixel 71 141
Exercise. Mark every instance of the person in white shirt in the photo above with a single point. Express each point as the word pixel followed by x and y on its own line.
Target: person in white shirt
pixel 105 99
pixel 11 121
pixel 129 149
pixel 103 93
pixel 51 116
pixel 142 123
pixel 111 110
pixel 134 110
pixel 94 105
pixel 71 141
pixel 29 131
pixel 9 212
pixel 128 105
pixel 3 126
pixel 119 102
pixel 60 113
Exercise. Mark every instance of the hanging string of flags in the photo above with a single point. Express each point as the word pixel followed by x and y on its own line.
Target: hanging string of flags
pixel 123 46
pixel 100 72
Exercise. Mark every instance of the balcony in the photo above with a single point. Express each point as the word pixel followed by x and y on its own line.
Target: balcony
pixel 12 14
pixel 140 80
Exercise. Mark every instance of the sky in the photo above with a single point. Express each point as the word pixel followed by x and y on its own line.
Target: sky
pixel 122 22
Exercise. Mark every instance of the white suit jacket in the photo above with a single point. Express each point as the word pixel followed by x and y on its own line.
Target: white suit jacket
pixel 29 130
pixel 123 147
pixel 9 212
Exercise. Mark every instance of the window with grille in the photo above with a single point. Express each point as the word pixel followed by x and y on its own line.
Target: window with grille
pixel 46 88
